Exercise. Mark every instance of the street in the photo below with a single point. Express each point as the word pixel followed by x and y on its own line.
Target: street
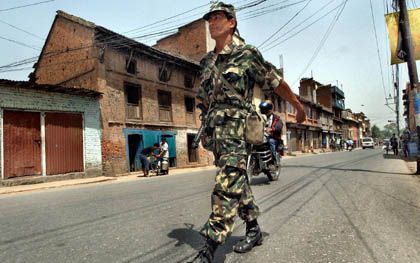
pixel 337 207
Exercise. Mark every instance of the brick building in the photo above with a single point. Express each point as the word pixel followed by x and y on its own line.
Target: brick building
pixel 147 93
pixel 351 127
pixel 48 130
pixel 332 98
pixel 192 40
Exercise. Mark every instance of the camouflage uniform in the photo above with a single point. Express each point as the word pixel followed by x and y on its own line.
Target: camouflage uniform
pixel 242 66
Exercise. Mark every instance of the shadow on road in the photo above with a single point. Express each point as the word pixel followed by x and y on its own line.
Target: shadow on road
pixel 260 180
pixel 191 237
pixel 391 156
pixel 342 169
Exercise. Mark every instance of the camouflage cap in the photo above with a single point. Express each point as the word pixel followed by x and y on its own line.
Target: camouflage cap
pixel 220 6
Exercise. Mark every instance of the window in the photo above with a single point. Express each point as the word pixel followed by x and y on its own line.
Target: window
pixel 188 81
pixel 165 106
pixel 308 111
pixel 189 104
pixel 192 153
pixel 133 101
pixel 189 108
pixel 164 74
pixel 131 66
pixel 290 108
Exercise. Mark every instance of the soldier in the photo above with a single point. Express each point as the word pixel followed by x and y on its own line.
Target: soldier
pixel 236 64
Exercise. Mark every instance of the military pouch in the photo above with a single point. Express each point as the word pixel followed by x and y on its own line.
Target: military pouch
pixel 219 118
pixel 254 128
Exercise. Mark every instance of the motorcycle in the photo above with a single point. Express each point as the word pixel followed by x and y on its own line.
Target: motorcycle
pixel 260 160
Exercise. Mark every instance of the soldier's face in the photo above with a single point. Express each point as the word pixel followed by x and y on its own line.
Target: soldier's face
pixel 220 25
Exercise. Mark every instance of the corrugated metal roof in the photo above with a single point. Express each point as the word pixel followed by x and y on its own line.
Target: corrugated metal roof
pixel 49 88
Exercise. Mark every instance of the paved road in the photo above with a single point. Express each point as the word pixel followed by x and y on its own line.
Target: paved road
pixel 339 207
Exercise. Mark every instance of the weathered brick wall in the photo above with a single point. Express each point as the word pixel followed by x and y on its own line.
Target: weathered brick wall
pixel 192 41
pixel 68 53
pixel 112 78
pixel 33 100
pixel 323 95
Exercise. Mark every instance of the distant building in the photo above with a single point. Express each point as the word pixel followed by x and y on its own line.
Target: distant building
pixel 333 98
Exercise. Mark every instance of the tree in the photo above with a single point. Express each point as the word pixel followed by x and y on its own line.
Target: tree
pixel 376 132
pixel 389 129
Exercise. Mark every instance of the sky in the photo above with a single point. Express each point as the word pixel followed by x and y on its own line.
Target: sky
pixel 347 56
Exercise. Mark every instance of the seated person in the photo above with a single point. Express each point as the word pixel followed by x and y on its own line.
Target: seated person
pixel 273 127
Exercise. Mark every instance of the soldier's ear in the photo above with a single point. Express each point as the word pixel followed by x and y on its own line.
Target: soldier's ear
pixel 233 24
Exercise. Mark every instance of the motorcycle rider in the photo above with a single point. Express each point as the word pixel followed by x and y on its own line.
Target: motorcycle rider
pixel 273 128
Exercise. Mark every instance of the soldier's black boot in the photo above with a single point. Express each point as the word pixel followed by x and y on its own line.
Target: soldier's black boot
pixel 253 238
pixel 206 254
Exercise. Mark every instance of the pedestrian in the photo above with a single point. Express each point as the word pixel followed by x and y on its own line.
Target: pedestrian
pixel 163 155
pixel 394 144
pixel 228 75
pixel 145 154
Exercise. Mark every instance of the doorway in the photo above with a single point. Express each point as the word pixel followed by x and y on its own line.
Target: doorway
pixel 134 148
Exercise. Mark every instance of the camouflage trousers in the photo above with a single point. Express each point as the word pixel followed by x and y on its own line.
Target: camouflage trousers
pixel 231 196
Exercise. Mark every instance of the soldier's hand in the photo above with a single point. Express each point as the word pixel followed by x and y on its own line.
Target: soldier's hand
pixel 300 115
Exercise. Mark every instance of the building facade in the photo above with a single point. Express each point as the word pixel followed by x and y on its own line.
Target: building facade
pixel 48 130
pixel 147 93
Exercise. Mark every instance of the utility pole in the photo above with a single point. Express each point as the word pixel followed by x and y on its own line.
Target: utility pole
pixel 397 98
pixel 412 68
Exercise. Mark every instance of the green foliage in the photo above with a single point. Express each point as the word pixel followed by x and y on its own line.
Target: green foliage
pixel 376 132
pixel 389 129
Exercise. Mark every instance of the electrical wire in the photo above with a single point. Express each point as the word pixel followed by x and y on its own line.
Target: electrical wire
pixel 261 13
pixel 116 41
pixel 377 46
pixel 288 21
pixel 22 30
pixel 323 41
pixel 22 6
pixel 20 43
pixel 303 29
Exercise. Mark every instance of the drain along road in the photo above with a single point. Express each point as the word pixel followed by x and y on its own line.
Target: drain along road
pixel 338 207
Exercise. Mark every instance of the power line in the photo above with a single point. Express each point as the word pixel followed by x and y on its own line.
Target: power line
pixel 377 47
pixel 115 41
pixel 266 7
pixel 22 6
pixel 20 43
pixel 323 40
pixel 20 29
pixel 303 29
pixel 261 13
pixel 164 20
pixel 290 20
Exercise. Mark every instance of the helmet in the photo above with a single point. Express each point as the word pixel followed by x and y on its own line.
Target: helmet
pixel 266 107
pixel 220 6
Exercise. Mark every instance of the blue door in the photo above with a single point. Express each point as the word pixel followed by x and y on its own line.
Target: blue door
pixel 137 140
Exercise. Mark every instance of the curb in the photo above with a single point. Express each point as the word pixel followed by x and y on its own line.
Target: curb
pixel 127 176
pixel 51 185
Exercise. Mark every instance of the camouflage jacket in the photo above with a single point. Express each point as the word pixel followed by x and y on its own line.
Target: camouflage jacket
pixel 242 66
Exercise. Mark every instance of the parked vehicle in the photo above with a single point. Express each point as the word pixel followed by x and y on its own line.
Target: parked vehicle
pixel 260 160
pixel 367 142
